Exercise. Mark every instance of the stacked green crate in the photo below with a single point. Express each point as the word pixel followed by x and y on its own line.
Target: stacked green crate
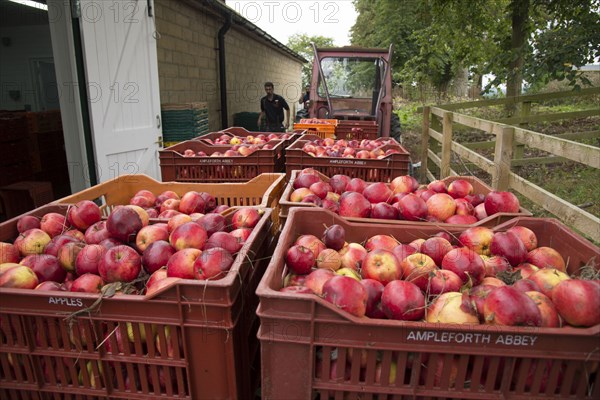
pixel 184 121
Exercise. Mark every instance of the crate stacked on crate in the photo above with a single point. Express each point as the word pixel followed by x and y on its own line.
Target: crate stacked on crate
pixel 14 148
pixel 336 328
pixel 324 128
pixel 297 194
pixel 351 129
pixel 381 160
pixel 184 338
pixel 198 161
pixel 183 121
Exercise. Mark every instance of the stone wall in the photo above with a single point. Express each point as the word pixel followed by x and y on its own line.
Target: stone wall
pixel 188 63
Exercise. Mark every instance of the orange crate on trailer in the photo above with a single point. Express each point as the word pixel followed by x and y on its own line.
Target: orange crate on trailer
pixel 479 187
pixel 175 166
pixel 189 340
pixel 356 130
pixel 370 170
pixel 398 359
pixel 324 129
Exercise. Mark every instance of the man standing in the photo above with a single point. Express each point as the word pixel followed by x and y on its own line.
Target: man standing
pixel 271 107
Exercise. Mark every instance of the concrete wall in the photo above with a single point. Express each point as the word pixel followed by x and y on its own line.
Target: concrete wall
pixel 188 63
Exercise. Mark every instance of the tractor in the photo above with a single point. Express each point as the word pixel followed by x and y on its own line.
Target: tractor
pixel 353 84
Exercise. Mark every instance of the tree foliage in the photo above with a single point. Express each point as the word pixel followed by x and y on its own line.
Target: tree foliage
pixel 513 40
pixel 302 44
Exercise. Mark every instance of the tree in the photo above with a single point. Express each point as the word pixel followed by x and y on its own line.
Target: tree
pixel 302 44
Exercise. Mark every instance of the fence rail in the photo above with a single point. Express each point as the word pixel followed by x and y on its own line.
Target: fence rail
pixel 438 125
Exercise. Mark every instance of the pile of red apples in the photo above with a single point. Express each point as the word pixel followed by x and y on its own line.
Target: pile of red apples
pixel 444 279
pixel 402 199
pixel 363 149
pixel 240 146
pixel 81 251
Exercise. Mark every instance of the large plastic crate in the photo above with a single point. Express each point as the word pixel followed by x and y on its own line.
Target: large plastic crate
pixel 370 170
pixel 479 187
pixel 323 130
pixel 474 361
pixel 364 130
pixel 211 327
pixel 175 167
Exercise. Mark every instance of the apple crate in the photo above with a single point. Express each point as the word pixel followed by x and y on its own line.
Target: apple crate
pixel 189 340
pixel 326 129
pixel 479 187
pixel 358 130
pixel 371 170
pixel 175 167
pixel 387 359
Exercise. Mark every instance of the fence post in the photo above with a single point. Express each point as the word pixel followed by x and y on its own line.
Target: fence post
pixel 424 145
pixel 502 157
pixel 519 148
pixel 446 144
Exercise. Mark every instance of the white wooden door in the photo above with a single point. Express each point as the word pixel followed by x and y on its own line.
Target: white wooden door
pixel 119 52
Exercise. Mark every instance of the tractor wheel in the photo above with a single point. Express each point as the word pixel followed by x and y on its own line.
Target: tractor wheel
pixel 395 128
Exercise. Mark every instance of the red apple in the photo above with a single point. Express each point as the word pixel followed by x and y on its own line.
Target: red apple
pixel 356 185
pixel 546 257
pixel 329 259
pixel 246 217
pixel 499 201
pixel 150 234
pixel 460 188
pixel 87 283
pixel 475 199
pixel 377 192
pixel 443 281
pixel 441 206
pixel 478 239
pixel 508 306
pixel 352 256
pixel 57 242
pixel 461 219
pixel 402 251
pixel 212 223
pixel 578 302
pixel 312 243
pixel 96 233
pixel 334 237
pixel 404 184
pixel 213 263
pixel 188 235
pixel 156 255
pixel 509 246
pixel 181 264
pixel 436 247
pixel 50 286
pixel 463 207
pixel 354 205
pixel 547 279
pixel 8 253
pixel 241 235
pixel 120 264
pixel 177 220
pixel 305 180
pixel 317 278
pixel 192 202
pixel 527 236
pixel 27 222
pixel 452 308
pixel 385 242
pixel 384 211
pixel 467 264
pixel 412 207
pixel 382 266
pixel 169 205
pixel 495 265
pixel 550 317
pixel 479 212
pixel 526 270
pixel 339 182
pixel 88 258
pixel 53 224
pixel 374 290
pixel 224 240
pixel 478 295
pixel 437 186
pixel 67 255
pixel 124 223
pixel 298 194
pixel 18 277
pixel 526 285
pixel 86 213
pixel 417 268
pixel 320 189
pixel 347 294
pixel 46 267
pixel 300 259
pixel 402 300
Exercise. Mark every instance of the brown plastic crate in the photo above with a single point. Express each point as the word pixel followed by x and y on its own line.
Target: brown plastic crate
pixel 369 130
pixel 479 187
pixel 486 362
pixel 20 197
pixel 175 167
pixel 261 191
pixel 380 170
pixel 212 327
pixel 44 121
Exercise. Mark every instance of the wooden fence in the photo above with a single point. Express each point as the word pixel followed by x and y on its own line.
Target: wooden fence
pixel 439 122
